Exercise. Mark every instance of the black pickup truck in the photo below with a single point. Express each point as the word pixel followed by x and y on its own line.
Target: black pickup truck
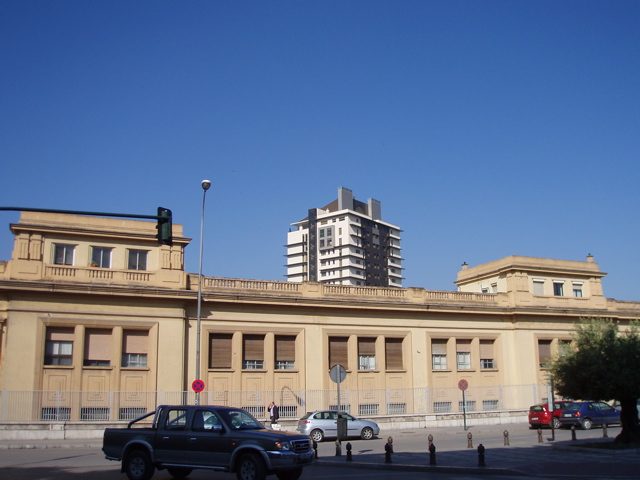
pixel 181 438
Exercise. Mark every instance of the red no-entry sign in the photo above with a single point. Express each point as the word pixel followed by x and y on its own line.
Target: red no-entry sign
pixel 463 385
pixel 197 386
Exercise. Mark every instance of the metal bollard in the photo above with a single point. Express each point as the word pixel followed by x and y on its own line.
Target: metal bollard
pixel 432 454
pixel 469 440
pixel 349 457
pixel 573 432
pixel 430 440
pixel 604 431
pixel 481 456
pixel 390 442
pixel 387 452
pixel 338 448
pixel 506 437
pixel 539 435
pixel 315 448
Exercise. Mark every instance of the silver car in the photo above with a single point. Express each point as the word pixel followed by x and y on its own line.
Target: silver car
pixel 324 424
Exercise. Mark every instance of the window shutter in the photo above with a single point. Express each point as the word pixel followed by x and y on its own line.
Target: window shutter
pixel 285 348
pixel 393 353
pixel 97 344
pixel 438 347
pixel 220 353
pixel 463 346
pixel 366 346
pixel 135 341
pixel 253 347
pixel 338 351
pixel 486 349
pixel 60 334
pixel 544 351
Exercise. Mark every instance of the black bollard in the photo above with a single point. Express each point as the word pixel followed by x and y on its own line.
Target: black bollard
pixel 390 442
pixel 604 431
pixel 573 432
pixel 432 454
pixel 539 435
pixel 506 437
pixel 315 449
pixel 387 452
pixel 349 457
pixel 338 448
pixel 469 440
pixel 430 440
pixel 481 456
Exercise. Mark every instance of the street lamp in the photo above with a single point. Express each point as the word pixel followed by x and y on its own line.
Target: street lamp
pixel 205 186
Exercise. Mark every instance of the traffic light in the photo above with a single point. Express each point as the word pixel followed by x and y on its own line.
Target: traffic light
pixel 165 227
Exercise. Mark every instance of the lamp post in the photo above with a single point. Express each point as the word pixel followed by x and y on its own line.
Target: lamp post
pixel 205 186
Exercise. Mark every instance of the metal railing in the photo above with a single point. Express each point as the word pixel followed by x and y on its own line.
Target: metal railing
pixel 92 406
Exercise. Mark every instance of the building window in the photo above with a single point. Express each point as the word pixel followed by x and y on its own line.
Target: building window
pixel 253 352
pixel 97 347
pixel 338 352
pixel 285 350
pixel 393 353
pixel 468 406
pixel 101 257
pixel 135 348
pixel 490 405
pixel 558 289
pixel 577 289
pixel 538 287
pixel 487 361
pixel 58 346
pixel 137 260
pixel 366 353
pixel 463 354
pixel 544 352
pixel 439 354
pixel 494 288
pixel 220 350
pixel 63 254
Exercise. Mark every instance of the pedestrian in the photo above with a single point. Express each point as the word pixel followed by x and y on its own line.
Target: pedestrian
pixel 274 412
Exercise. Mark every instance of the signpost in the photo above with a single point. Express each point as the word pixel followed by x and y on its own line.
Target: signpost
pixel 463 385
pixel 338 374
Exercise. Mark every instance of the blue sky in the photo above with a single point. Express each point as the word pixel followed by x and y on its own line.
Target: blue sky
pixel 485 128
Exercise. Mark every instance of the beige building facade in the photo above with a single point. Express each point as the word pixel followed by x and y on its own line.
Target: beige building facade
pixel 101 322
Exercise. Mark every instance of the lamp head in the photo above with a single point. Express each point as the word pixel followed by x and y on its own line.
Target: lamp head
pixel 206 184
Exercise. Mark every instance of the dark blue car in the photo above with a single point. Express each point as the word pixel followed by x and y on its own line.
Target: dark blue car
pixel 588 414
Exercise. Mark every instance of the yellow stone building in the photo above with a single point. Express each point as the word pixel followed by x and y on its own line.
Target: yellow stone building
pixel 99 322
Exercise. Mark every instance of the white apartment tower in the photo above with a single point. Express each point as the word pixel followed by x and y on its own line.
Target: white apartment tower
pixel 345 243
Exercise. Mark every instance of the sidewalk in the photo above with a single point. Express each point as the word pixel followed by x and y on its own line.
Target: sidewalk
pixel 523 456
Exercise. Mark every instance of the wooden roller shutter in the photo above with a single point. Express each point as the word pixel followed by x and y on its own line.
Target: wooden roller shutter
pixel 97 344
pixel 285 348
pixel 438 347
pixel 486 349
pixel 135 341
pixel 393 353
pixel 253 347
pixel 60 334
pixel 367 346
pixel 338 351
pixel 544 352
pixel 220 350
pixel 463 346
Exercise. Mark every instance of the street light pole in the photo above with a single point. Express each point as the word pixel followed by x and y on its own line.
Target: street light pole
pixel 205 186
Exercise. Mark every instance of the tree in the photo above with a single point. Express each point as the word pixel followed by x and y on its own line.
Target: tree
pixel 603 364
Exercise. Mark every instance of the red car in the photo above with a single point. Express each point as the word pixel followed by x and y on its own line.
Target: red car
pixel 539 415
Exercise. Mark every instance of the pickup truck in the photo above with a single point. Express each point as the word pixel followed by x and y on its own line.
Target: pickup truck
pixel 181 438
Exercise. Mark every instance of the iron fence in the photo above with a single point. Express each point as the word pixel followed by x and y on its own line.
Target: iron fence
pixel 93 406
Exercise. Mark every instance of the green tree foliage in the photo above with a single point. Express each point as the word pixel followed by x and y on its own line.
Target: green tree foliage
pixel 603 364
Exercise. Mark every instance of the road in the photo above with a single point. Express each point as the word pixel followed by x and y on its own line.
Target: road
pixel 89 463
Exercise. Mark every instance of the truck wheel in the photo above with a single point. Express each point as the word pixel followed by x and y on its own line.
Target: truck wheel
pixel 250 467
pixel 138 466
pixel 179 472
pixel 289 474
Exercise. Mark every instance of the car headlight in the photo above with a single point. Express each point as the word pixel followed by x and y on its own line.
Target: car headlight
pixel 286 446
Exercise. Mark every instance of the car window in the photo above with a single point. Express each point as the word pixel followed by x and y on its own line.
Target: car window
pixel 204 420
pixel 241 420
pixel 574 407
pixel 348 417
pixel 537 408
pixel 605 407
pixel 331 416
pixel 176 419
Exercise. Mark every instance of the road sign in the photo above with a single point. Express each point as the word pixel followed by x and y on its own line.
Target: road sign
pixel 338 373
pixel 197 386
pixel 463 385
